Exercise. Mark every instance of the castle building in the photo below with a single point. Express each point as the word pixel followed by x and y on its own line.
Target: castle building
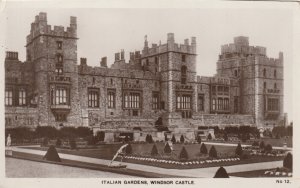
pixel 157 88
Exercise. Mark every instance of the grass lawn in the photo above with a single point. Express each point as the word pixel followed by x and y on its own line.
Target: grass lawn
pixel 108 151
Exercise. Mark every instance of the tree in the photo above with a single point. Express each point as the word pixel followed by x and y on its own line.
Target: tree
pixel 147 138
pixel 213 152
pixel 183 155
pixel 166 138
pixel 203 149
pixel 268 148
pixel 209 137
pixel 150 139
pixel 173 139
pixel 262 145
pixel 221 173
pixel 167 148
pixel 52 155
pixel 128 149
pixel 199 139
pixel 288 161
pixel 58 142
pixel 181 139
pixel 239 150
pixel 154 150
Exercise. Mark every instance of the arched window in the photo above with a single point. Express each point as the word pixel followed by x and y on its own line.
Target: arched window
pixel 275 73
pixel 264 72
pixel 183 74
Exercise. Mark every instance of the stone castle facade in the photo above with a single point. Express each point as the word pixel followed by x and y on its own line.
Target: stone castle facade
pixel 158 84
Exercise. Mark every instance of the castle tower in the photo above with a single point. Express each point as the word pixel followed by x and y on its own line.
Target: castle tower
pixel 260 79
pixel 54 55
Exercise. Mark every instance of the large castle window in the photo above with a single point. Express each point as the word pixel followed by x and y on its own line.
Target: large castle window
pixel 22 97
pixel 111 98
pixel 59 64
pixel 200 102
pixel 61 96
pixel 275 74
pixel 183 102
pixel 273 104
pixel 132 100
pixel 155 100
pixel 183 74
pixel 183 58
pixel 8 97
pixel 93 97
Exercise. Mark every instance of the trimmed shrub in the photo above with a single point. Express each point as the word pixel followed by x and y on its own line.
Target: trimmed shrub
pixel 181 139
pixel 199 140
pixel 126 139
pixel 288 161
pixel 221 173
pixel 154 150
pixel 150 139
pixel 203 149
pixel 173 139
pixel 167 148
pixel 52 155
pixel 268 148
pixel 73 144
pixel 91 140
pixel 213 152
pixel 183 155
pixel 166 138
pixel 209 137
pixel 262 145
pixel 58 142
pixel 147 138
pixel 239 150
pixel 128 149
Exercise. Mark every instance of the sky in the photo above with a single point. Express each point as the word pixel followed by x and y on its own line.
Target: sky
pixel 105 31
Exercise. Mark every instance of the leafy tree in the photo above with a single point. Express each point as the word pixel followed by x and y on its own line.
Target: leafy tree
pixel 239 150
pixel 181 139
pixel 167 148
pixel 262 145
pixel 199 139
pixel 203 149
pixel 58 142
pixel 213 152
pixel 173 139
pixel 209 137
pixel 52 155
pixel 154 150
pixel 128 149
pixel 288 161
pixel 268 148
pixel 221 173
pixel 183 154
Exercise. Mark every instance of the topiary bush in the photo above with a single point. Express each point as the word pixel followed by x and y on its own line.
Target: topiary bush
pixel 221 173
pixel 181 139
pixel 150 139
pixel 45 142
pixel 255 143
pixel 147 138
pixel 209 137
pixel 213 152
pixel 199 139
pixel 52 155
pixel 203 149
pixel 288 161
pixel 154 151
pixel 128 149
pixel 58 142
pixel 173 139
pixel 183 155
pixel 239 150
pixel 167 148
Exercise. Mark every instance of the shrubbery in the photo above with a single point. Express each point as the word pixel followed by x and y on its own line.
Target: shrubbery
pixel 58 142
pixel 255 143
pixel 203 149
pixel 72 143
pixel 268 148
pixel 199 139
pixel 173 139
pixel 128 149
pixel 288 161
pixel 167 148
pixel 239 150
pixel 154 151
pixel 52 155
pixel 45 142
pixel 149 138
pixel 221 173
pixel 213 152
pixel 209 137
pixel 183 155
pixel 262 145
pixel 181 139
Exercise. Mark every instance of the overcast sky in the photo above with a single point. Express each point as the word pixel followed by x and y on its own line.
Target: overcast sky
pixel 102 32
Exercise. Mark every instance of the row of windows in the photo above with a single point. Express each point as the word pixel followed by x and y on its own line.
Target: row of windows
pixel 220 104
pixel 60 96
pixel 220 90
pixel 265 73
pixel 183 101
pixel 273 104
pixel 12 99
pixel 265 85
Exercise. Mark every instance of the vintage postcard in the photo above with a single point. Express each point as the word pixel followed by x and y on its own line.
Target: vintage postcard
pixel 139 94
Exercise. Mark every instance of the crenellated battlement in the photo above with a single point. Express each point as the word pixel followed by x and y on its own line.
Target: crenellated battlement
pixel 216 80
pixel 170 46
pixel 11 55
pixel 40 28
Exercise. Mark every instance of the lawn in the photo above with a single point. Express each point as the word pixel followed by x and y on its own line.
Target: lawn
pixel 107 152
